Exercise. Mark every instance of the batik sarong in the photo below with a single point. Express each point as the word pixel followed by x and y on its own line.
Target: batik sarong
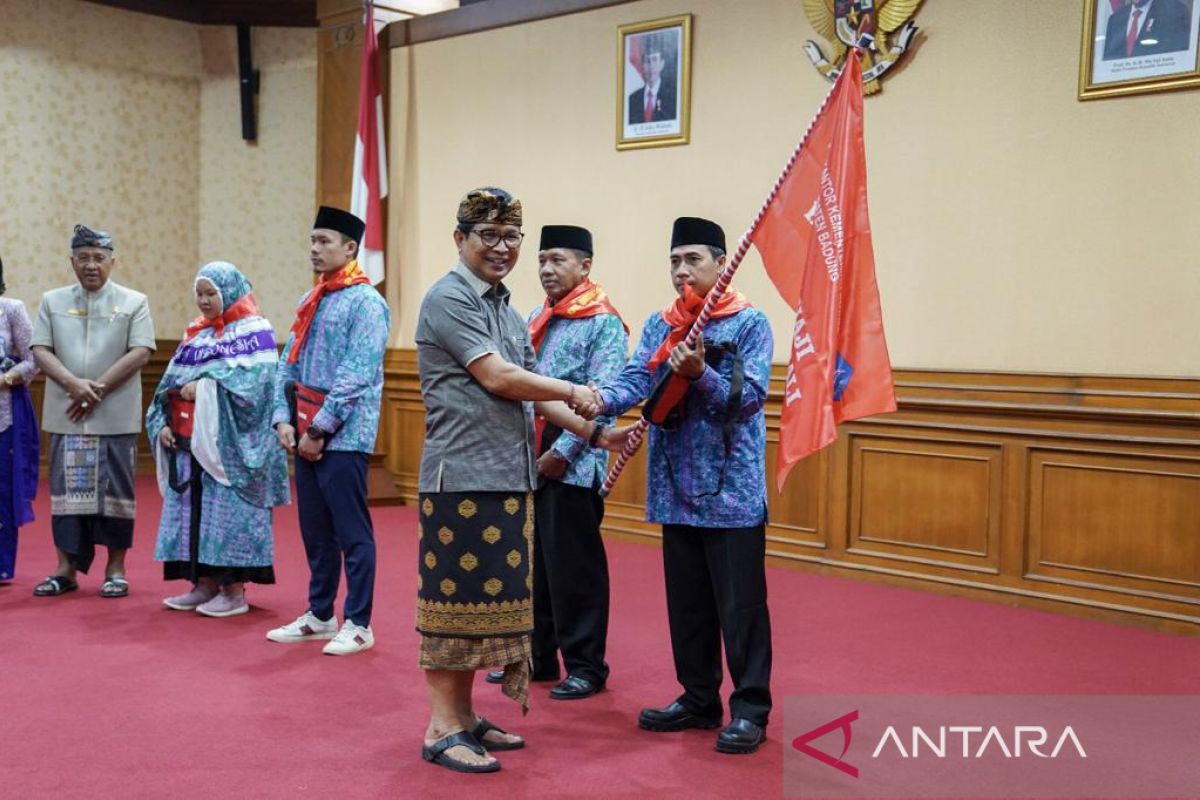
pixel 474 586
pixel 91 493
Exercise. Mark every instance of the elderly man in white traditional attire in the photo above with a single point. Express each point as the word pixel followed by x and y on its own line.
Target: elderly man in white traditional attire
pixel 92 339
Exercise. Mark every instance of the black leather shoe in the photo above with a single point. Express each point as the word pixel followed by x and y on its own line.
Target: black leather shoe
pixel 675 717
pixel 497 676
pixel 740 736
pixel 574 687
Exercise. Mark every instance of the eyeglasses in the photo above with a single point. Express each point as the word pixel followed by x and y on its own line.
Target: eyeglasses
pixel 89 258
pixel 492 237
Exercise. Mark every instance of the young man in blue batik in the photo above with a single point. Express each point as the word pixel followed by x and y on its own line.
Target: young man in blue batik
pixel 579 337
pixel 327 393
pixel 706 484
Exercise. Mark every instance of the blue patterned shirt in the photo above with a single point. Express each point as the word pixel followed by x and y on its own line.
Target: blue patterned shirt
pixel 343 357
pixel 582 350
pixel 693 477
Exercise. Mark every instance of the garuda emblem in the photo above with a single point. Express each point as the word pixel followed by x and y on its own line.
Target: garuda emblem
pixel 872 22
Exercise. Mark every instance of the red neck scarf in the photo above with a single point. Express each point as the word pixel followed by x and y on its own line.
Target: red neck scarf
pixel 683 312
pixel 349 275
pixel 246 307
pixel 585 300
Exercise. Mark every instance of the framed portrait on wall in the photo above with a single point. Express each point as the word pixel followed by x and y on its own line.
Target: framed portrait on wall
pixel 1138 46
pixel 654 65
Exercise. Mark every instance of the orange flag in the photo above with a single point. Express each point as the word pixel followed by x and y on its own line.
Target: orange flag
pixel 815 241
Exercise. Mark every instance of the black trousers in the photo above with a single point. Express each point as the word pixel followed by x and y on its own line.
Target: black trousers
pixel 570 583
pixel 331 496
pixel 717 588
pixel 78 534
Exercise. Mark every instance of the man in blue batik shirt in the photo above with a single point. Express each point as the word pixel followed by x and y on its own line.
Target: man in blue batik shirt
pixel 579 337
pixel 332 365
pixel 706 484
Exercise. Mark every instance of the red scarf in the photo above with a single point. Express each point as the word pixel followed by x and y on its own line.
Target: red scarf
pixel 246 307
pixel 683 312
pixel 585 300
pixel 349 275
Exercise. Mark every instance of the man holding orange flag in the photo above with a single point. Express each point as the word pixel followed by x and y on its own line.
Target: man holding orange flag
pixel 706 485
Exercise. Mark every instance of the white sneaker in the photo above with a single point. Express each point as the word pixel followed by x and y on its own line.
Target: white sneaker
pixel 305 628
pixel 350 639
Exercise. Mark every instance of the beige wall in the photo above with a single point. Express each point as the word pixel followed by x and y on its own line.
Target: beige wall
pixel 97 125
pixel 130 123
pixel 1002 242
pixel 256 200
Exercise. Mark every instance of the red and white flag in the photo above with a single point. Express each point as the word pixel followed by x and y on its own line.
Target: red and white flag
pixel 370 156
pixel 815 241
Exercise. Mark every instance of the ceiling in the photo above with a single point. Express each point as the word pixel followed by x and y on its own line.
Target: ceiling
pixel 282 13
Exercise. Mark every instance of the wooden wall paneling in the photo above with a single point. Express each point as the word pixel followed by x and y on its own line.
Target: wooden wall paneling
pixel 1014 503
pixel 339 57
pixel 404 415
pixel 1122 521
pixel 797 524
pixel 927 500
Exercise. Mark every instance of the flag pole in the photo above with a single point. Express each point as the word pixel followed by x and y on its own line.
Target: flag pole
pixel 723 280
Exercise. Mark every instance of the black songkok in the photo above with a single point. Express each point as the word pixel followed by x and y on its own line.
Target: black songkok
pixel 694 230
pixel 345 223
pixel 489 204
pixel 570 236
pixel 86 237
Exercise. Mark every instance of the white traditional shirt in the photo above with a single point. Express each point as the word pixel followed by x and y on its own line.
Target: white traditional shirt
pixel 89 332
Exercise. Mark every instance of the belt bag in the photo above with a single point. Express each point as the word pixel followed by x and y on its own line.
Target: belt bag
pixel 667 402
pixel 667 396
pixel 182 414
pixel 306 403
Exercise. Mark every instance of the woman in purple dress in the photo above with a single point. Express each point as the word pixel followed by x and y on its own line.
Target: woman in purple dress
pixel 18 428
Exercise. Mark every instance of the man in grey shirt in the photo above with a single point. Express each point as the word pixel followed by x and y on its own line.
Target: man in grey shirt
pixel 92 339
pixel 476 362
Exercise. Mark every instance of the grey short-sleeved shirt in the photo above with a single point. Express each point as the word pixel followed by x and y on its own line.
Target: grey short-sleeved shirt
pixel 89 332
pixel 475 441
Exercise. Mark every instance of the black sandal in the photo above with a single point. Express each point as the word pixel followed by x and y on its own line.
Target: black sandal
pixel 481 729
pixel 55 585
pixel 436 753
pixel 116 586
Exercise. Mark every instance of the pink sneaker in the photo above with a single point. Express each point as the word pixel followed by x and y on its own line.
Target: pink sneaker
pixel 188 601
pixel 225 605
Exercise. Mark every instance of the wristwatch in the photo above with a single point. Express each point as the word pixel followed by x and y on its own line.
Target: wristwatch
pixel 315 433
pixel 597 432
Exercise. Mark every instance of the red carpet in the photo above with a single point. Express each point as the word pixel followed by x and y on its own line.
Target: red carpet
pixel 123 699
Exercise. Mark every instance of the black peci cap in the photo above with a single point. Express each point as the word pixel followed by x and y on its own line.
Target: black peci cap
pixel 345 223
pixel 694 230
pixel 569 236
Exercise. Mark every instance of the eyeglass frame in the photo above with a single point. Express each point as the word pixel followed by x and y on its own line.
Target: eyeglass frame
pixel 469 228
pixel 102 257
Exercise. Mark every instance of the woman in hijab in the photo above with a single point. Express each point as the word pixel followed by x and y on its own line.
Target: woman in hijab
pixel 18 429
pixel 220 469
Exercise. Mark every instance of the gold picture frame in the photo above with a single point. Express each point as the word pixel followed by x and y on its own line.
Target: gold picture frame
pixel 1123 54
pixel 654 83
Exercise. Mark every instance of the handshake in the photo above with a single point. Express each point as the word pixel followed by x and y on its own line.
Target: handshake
pixel 585 400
